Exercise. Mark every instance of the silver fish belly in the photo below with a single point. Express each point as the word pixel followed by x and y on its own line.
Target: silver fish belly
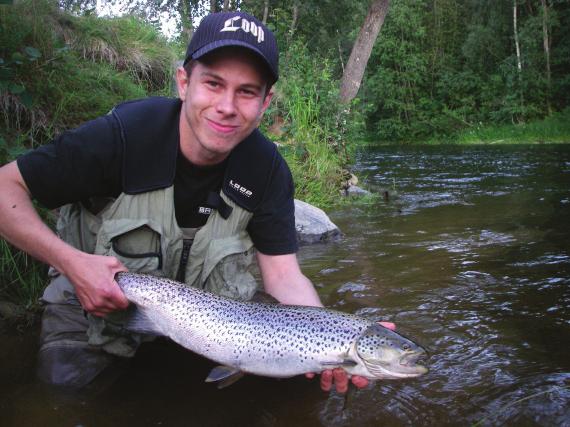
pixel 272 340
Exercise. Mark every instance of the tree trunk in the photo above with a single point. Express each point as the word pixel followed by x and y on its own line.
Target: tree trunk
pixel 516 34
pixel 546 44
pixel 356 65
pixel 265 11
pixel 226 5
pixel 185 10
pixel 519 62
pixel 212 6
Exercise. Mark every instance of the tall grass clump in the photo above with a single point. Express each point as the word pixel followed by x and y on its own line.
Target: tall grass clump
pixel 314 127
pixel 316 167
pixel 22 278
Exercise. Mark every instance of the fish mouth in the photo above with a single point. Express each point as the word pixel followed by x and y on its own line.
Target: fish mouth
pixel 410 365
pixel 413 359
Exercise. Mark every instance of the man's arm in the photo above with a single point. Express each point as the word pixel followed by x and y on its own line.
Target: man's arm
pixel 283 279
pixel 20 224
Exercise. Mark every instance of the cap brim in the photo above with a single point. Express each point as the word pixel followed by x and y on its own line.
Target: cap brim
pixel 229 42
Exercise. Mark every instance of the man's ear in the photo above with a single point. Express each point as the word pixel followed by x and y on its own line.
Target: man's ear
pixel 182 79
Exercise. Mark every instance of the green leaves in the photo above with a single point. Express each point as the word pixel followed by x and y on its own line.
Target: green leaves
pixel 9 80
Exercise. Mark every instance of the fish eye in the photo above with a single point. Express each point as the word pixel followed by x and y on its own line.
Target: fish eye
pixel 406 346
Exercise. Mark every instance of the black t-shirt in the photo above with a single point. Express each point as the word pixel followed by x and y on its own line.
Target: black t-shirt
pixel 88 161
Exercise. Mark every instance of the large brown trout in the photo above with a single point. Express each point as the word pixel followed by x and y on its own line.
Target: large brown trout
pixel 273 340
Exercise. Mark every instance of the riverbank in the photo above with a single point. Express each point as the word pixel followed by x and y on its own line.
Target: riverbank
pixel 554 129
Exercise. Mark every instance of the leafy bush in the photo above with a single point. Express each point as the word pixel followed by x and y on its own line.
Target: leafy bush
pixel 59 70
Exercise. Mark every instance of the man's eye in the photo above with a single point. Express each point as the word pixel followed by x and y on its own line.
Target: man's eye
pixel 212 83
pixel 248 92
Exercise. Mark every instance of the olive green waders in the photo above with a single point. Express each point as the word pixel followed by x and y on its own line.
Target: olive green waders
pixel 141 231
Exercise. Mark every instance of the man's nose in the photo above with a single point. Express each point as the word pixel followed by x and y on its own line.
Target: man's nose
pixel 226 103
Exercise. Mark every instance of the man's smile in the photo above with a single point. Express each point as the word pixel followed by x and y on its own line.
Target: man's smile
pixel 221 127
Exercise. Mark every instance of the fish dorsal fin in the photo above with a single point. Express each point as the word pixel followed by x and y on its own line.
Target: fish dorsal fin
pixel 138 321
pixel 224 375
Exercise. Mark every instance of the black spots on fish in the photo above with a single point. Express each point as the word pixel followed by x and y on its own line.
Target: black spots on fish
pixel 370 344
pixel 249 331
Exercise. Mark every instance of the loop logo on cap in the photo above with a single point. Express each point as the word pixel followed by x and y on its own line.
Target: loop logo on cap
pixel 248 27
pixel 234 29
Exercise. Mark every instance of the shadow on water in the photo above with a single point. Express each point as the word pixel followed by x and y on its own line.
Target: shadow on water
pixel 469 257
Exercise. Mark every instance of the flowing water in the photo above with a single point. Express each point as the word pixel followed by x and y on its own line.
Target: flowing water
pixel 469 254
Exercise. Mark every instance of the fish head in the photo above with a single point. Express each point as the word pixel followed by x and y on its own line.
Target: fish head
pixel 383 353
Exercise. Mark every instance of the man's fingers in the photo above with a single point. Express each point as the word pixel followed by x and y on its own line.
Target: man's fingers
pixel 326 380
pixel 108 301
pixel 119 300
pixel 359 382
pixel 388 325
pixel 341 380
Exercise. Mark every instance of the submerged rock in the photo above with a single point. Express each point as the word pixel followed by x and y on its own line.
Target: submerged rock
pixel 313 224
pixel 354 190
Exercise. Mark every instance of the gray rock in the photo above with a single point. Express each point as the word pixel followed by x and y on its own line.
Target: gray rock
pixel 313 225
pixel 354 190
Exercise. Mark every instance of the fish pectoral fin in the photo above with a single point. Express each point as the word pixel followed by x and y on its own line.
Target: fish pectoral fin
pixel 138 321
pixel 225 375
pixel 344 363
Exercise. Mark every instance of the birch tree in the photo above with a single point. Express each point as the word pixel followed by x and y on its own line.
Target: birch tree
pixel 356 65
pixel 546 45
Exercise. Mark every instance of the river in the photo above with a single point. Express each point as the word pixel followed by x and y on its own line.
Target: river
pixel 469 255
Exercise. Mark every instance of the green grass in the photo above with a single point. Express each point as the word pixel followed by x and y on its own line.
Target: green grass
pixel 316 167
pixel 58 70
pixel 22 279
pixel 552 129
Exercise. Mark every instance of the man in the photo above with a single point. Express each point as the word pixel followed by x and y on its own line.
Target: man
pixel 182 188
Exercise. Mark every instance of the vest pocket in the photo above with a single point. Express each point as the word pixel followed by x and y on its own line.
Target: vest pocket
pixel 138 249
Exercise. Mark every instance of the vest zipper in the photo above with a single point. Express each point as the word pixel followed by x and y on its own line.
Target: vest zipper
pixel 181 274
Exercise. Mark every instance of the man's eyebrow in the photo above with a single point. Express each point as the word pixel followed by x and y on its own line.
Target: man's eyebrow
pixel 206 73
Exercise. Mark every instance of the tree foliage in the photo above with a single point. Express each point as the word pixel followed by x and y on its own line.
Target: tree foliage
pixel 438 66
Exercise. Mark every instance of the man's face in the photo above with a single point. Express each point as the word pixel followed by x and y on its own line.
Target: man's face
pixel 224 99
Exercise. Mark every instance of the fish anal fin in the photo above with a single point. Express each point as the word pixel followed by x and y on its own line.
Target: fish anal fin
pixel 224 376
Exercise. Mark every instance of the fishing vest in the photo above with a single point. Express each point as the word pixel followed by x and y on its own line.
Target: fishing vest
pixel 139 227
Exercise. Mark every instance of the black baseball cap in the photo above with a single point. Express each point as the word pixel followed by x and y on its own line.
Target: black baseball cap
pixel 234 29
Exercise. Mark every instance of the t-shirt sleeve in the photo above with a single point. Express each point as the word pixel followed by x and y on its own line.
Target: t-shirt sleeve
pixel 272 227
pixel 76 165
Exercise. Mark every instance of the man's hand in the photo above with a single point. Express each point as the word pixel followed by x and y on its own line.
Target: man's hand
pixel 339 378
pixel 93 277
